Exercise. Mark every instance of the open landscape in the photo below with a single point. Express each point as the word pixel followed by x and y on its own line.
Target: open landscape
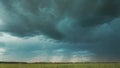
pixel 60 65
pixel 59 33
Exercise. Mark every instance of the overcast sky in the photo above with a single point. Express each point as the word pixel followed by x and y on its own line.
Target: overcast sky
pixel 60 30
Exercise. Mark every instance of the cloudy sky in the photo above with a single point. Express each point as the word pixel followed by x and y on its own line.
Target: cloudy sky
pixel 59 30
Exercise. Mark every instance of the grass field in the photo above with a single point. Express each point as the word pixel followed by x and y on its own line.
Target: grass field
pixel 78 65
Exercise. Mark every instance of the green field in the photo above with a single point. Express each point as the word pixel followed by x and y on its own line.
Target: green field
pixel 78 65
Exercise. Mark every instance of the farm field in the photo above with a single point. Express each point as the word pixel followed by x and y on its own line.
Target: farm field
pixel 62 65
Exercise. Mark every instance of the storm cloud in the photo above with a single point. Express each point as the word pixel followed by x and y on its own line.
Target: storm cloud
pixel 91 25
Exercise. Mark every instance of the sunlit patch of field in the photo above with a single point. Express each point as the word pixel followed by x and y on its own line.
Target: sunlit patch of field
pixel 62 65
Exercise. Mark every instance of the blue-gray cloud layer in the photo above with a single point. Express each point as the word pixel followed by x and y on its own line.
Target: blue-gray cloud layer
pixel 91 25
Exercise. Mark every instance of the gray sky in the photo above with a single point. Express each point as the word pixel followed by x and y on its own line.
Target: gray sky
pixel 59 30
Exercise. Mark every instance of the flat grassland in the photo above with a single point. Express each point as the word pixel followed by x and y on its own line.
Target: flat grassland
pixel 62 65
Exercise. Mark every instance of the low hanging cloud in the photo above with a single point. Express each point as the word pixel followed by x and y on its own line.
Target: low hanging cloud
pixel 39 48
pixel 91 25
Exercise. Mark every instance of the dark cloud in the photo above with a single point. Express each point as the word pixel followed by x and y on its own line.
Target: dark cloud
pixel 24 19
pixel 95 23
